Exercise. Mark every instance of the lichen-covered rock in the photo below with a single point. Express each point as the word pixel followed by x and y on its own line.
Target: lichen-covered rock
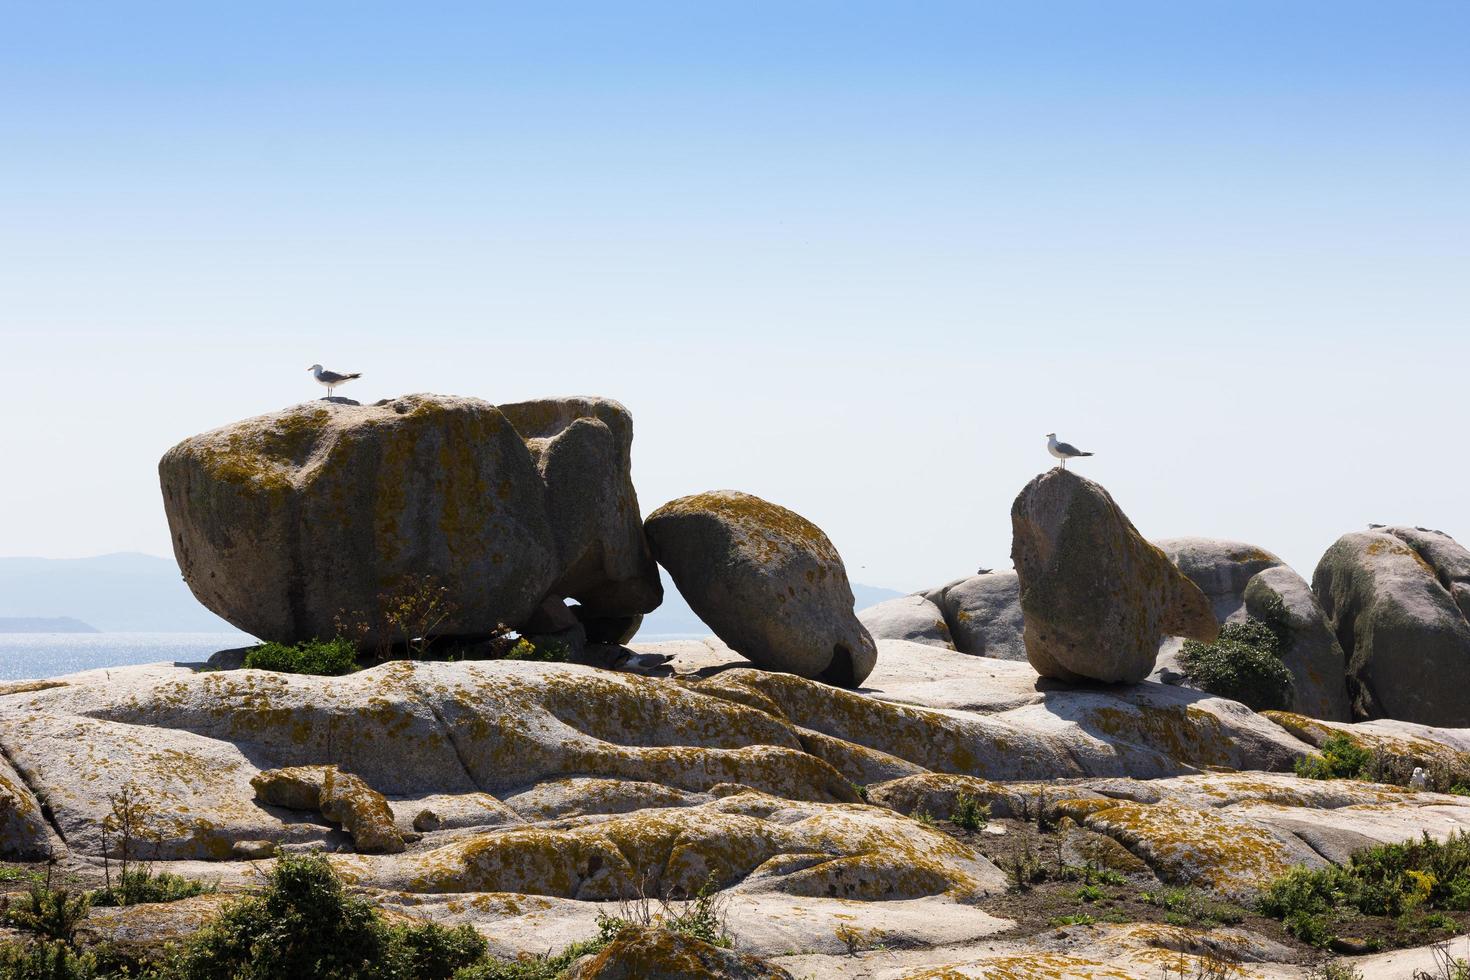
pixel 909 617
pixel 984 615
pixel 340 796
pixel 1096 596
pixel 583 450
pixel 643 953
pixel 23 832
pixel 290 523
pixel 1244 581
pixel 767 581
pixel 1220 568
pixel 1390 597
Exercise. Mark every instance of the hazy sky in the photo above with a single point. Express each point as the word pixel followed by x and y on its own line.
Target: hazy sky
pixel 853 257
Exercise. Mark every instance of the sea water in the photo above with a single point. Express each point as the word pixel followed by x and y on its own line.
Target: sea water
pixel 29 655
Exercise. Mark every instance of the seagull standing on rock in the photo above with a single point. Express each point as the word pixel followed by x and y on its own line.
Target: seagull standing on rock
pixel 330 379
pixel 1062 450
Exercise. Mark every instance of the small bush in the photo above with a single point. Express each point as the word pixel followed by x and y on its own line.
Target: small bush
pixel 51 913
pixel 547 651
pixel 304 924
pixel 1090 893
pixel 1244 664
pixel 1192 907
pixel 47 959
pixel 328 658
pixel 1339 757
pixel 137 887
pixel 969 813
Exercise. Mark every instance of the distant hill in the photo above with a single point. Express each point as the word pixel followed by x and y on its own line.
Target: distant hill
pixel 124 592
pixel 43 624
pixel 675 617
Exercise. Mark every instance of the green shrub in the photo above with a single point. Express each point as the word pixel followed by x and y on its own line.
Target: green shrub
pixel 1192 907
pixel 1244 664
pixel 969 813
pixel 1339 757
pixel 326 657
pixel 1414 882
pixel 51 913
pixel 703 918
pixel 547 651
pixel 45 959
pixel 304 924
pixel 137 887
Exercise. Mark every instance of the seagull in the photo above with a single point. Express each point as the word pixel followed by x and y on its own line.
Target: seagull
pixel 1062 450
pixel 330 379
pixel 1420 779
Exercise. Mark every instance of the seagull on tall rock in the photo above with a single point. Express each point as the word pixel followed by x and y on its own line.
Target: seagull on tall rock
pixel 1062 450
pixel 330 379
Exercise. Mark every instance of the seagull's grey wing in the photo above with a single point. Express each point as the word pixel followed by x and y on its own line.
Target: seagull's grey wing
pixel 332 377
pixel 1068 448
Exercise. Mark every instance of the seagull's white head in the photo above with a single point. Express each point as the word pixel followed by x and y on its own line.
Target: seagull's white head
pixel 315 367
pixel 1051 435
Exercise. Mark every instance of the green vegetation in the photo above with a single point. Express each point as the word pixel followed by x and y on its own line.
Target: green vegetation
pixel 1080 919
pixel 137 887
pixel 547 651
pixel 45 959
pixel 1192 907
pixel 1244 664
pixel 48 912
pixel 969 813
pixel 1339 758
pixel 304 924
pixel 1413 884
pixel 324 657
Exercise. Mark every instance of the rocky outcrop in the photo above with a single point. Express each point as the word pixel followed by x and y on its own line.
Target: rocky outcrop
pixel 290 523
pixel 767 581
pixel 23 832
pixel 984 614
pixel 1394 598
pixel 340 796
pixel 583 451
pixel 1096 596
pixel 1244 581
pixel 910 617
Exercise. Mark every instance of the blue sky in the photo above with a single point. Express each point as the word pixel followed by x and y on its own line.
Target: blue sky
pixel 855 257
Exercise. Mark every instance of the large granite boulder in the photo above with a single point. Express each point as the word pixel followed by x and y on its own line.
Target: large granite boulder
pixel 984 614
pixel 290 524
pixel 767 581
pixel 909 617
pixel 1283 600
pixel 1096 596
pixel 583 451
pixel 1244 581
pixel 1394 598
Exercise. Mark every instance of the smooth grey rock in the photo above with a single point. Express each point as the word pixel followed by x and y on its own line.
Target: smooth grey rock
pixel 767 581
pixel 1220 568
pixel 1280 597
pixel 1095 594
pixel 910 617
pixel 984 615
pixel 583 449
pixel 1407 640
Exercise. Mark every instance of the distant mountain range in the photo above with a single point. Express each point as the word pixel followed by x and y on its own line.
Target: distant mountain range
pixel 44 624
pixel 131 592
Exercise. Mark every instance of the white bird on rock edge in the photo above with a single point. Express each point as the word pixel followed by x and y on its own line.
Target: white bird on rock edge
pixel 1062 450
pixel 330 379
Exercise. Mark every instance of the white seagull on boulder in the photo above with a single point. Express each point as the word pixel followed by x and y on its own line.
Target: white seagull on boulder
pixel 330 379
pixel 1062 450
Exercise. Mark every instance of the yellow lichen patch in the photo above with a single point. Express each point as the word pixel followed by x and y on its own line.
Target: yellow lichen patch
pixel 1188 845
pixel 847 852
pixel 1185 734
pixel 26 687
pixel 1026 966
